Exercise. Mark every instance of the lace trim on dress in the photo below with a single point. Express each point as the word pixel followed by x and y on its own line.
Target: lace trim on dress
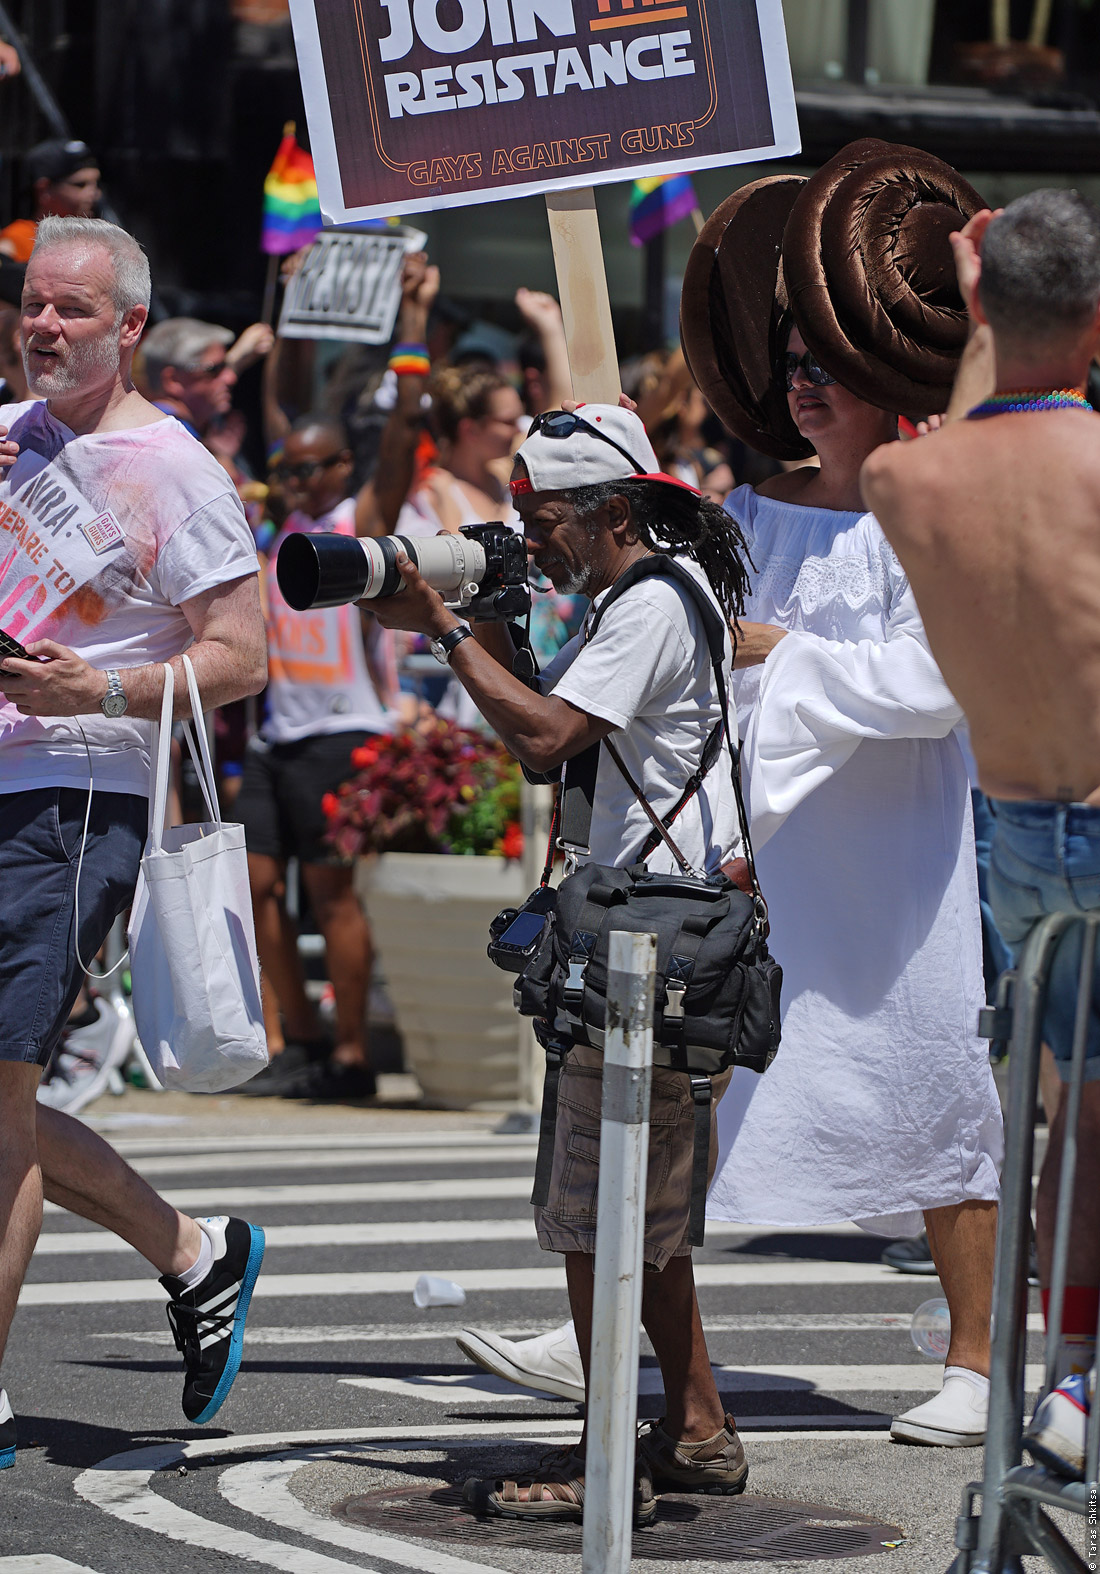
pixel 815 583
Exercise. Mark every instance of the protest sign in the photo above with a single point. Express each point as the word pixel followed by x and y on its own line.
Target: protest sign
pixel 349 286
pixel 420 104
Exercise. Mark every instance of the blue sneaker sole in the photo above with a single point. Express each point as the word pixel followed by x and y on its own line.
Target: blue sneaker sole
pixel 7 1457
pixel 236 1339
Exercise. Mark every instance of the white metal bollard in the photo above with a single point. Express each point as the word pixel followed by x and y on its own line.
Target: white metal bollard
pixel 620 1224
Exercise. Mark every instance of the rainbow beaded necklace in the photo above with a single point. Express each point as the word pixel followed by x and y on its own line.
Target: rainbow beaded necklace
pixel 1025 400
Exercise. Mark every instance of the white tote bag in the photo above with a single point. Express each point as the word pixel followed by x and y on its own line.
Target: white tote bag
pixel 196 980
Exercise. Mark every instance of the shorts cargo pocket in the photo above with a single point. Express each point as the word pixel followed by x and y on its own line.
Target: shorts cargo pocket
pixel 578 1186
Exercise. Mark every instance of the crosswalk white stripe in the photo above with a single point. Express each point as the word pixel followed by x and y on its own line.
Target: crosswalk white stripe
pixel 395 1232
pixel 475 1387
pixel 208 1199
pixel 400 1282
pixel 327 1159
pixel 456 1189
pixel 415 1141
pixel 405 1333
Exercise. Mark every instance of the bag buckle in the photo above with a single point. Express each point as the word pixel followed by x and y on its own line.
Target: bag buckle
pixel 675 990
pixel 583 946
pixel 574 983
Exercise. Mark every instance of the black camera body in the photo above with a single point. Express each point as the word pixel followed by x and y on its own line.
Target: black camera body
pixel 505 591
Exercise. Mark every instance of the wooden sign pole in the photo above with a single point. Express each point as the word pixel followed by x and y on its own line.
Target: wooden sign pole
pixel 582 290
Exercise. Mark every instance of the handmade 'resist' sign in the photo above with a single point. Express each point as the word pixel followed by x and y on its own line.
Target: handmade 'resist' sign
pixel 419 104
pixel 349 286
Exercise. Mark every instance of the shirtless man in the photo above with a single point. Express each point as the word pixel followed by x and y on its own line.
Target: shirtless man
pixel 996 520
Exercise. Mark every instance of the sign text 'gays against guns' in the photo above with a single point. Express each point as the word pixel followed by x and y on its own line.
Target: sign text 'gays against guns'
pixel 419 104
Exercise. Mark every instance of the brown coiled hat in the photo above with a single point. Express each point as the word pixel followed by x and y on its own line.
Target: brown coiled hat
pixel 859 257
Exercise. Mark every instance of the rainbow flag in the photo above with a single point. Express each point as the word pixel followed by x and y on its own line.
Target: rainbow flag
pixel 658 202
pixel 292 214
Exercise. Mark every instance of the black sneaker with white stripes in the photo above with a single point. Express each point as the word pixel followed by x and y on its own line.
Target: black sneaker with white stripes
pixel 208 1320
pixel 7 1432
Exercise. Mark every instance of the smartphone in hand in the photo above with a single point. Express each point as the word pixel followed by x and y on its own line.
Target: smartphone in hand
pixel 12 647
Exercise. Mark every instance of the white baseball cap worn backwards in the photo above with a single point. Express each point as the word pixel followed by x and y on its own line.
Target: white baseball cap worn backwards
pixel 597 442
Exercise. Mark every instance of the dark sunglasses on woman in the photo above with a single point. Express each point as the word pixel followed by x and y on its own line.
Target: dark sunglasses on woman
pixel 813 369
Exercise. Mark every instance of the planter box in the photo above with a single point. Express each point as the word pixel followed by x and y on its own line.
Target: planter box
pixel 430 917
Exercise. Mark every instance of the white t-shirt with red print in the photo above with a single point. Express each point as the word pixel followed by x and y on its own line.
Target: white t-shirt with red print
pixel 318 677
pixel 102 539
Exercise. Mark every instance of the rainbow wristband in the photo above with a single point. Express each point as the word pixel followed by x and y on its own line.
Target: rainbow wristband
pixel 410 360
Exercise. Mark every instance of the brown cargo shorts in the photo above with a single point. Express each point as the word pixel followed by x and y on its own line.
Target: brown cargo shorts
pixel 568 1222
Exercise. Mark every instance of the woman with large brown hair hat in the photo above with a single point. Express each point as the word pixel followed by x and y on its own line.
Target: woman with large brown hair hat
pixel 814 314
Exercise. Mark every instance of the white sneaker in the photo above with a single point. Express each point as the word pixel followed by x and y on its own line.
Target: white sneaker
pixel 955 1418
pixel 551 1363
pixel 1056 1435
pixel 81 1069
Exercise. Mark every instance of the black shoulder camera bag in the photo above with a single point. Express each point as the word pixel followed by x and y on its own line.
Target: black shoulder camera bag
pixel 716 1002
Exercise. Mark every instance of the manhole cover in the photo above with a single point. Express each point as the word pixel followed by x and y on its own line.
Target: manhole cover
pixel 725 1530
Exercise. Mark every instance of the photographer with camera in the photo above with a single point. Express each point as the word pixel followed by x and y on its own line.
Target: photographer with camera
pixel 593 505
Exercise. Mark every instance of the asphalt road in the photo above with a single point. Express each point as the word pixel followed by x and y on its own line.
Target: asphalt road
pixel 351 1396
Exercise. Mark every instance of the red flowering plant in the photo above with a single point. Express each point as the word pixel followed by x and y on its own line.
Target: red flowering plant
pixel 437 789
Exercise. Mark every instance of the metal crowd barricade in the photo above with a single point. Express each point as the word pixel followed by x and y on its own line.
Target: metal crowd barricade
pixel 1013 1522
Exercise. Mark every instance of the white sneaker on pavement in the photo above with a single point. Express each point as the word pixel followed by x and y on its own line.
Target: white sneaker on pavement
pixel 551 1362
pixel 1057 1433
pixel 955 1418
pixel 81 1069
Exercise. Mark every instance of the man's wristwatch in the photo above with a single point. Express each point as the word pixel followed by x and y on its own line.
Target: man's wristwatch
pixel 444 647
pixel 114 701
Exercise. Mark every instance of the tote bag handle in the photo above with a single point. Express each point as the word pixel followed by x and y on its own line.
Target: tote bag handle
pixel 161 752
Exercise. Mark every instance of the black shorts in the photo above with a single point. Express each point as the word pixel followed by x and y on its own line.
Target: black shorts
pixel 41 831
pixel 279 803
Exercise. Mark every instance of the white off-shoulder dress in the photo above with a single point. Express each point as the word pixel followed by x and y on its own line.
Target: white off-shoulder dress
pixel 880 1102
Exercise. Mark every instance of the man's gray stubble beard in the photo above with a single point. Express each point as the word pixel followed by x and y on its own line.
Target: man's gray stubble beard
pixel 91 356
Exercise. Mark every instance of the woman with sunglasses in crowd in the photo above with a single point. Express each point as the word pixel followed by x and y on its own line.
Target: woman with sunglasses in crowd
pixel 880 1106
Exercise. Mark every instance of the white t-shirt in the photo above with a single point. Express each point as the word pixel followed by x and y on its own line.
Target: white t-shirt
pixel 318 679
pixel 648 671
pixel 102 538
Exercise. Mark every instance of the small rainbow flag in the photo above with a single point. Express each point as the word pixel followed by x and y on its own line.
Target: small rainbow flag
pixel 658 202
pixel 292 214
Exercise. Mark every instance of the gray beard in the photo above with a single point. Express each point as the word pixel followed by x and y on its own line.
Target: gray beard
pixel 578 582
pixel 84 363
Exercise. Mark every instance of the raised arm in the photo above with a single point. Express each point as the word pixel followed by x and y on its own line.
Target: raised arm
pixel 380 501
pixel 287 387
pixel 975 379
pixel 542 313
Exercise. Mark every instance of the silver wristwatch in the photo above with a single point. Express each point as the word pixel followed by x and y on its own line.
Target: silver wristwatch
pixel 113 702
pixel 443 647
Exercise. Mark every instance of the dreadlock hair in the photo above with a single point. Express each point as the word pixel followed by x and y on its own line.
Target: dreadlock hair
pixel 677 522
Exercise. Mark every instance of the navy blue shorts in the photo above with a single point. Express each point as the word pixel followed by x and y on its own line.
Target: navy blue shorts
pixel 40 835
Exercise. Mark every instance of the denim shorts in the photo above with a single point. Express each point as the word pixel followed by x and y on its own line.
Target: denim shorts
pixel 1045 859
pixel 40 837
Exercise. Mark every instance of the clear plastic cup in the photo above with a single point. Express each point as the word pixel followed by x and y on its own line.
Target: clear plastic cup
pixel 431 1290
pixel 930 1329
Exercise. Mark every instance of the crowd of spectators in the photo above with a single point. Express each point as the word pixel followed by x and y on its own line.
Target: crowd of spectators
pixel 413 439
